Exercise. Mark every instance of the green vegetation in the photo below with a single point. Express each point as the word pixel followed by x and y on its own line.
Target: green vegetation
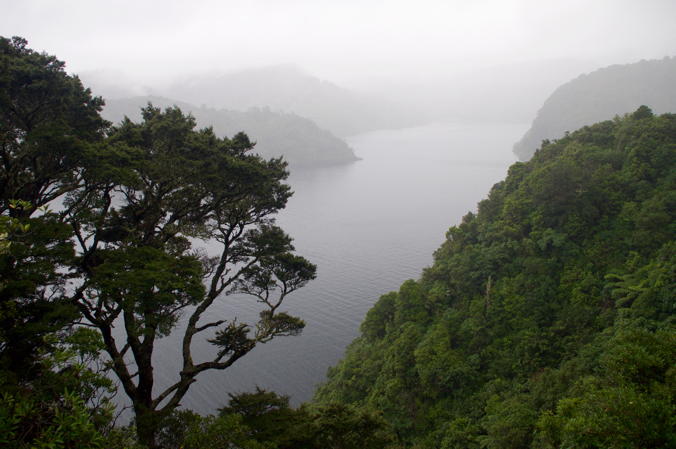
pixel 264 420
pixel 121 250
pixel 601 95
pixel 139 227
pixel 546 320
pixel 52 396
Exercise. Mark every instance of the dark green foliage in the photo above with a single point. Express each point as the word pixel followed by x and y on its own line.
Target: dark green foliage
pixel 68 405
pixel 547 318
pixel 48 122
pixel 338 426
pixel 265 420
pixel 141 228
pixel 54 392
pixel 187 430
pixel 32 304
pixel 122 249
pixel 271 419
pixel 25 423
pixel 628 400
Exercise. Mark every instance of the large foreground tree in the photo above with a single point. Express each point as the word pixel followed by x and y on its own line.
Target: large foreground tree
pixel 140 264
pixel 151 222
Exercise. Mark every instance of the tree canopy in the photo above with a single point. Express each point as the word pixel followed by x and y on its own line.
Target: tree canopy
pixel 140 263
pixel 546 319
pixel 132 226
pixel 49 125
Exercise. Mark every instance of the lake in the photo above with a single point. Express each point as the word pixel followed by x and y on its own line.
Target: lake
pixel 368 226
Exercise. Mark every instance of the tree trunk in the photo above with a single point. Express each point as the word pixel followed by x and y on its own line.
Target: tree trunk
pixel 147 426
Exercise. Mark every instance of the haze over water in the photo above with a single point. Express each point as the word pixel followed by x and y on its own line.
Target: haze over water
pixel 368 226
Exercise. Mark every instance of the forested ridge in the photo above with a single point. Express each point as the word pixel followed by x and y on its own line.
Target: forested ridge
pixel 546 319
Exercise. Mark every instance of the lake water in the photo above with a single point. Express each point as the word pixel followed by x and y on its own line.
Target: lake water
pixel 368 226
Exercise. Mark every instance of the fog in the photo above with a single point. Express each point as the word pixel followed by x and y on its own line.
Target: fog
pixel 387 47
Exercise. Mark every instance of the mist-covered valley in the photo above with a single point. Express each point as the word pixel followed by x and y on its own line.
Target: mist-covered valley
pixel 308 224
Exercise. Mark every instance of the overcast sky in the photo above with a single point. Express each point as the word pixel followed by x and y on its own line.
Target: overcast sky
pixel 345 41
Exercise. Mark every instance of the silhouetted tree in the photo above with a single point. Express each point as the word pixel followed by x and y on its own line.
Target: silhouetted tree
pixel 121 247
pixel 140 267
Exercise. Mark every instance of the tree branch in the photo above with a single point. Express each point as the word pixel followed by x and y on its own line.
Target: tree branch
pixel 208 325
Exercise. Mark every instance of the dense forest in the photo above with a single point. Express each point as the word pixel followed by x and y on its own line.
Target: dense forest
pixel 601 95
pixel 547 318
pixel 299 140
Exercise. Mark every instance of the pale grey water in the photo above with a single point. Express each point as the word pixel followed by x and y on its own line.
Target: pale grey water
pixel 368 226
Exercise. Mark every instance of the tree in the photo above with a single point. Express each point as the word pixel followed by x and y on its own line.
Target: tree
pixel 49 128
pixel 32 301
pixel 263 419
pixel 131 206
pixel 271 419
pixel 68 406
pixel 137 230
pixel 49 125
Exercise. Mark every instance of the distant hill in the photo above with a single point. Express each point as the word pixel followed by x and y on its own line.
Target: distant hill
pixel 288 89
pixel 299 140
pixel 601 95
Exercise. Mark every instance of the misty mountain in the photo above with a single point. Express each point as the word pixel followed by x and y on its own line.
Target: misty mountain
pixel 601 95
pixel 299 140
pixel 505 93
pixel 288 89
pixel 502 93
pixel 112 84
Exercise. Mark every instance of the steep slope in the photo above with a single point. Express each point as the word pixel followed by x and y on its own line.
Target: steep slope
pixel 601 95
pixel 300 141
pixel 547 318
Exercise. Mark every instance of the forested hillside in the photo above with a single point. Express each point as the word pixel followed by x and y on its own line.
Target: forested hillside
pixel 546 319
pixel 601 95
pixel 299 140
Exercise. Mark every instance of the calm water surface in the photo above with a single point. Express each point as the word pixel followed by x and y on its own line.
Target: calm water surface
pixel 368 226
